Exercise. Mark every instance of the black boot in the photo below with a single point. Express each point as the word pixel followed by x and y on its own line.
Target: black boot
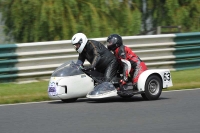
pixel 125 90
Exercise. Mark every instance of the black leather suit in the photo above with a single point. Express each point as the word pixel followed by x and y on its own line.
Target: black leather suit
pixel 100 58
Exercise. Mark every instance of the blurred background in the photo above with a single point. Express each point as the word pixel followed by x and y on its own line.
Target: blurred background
pixel 48 20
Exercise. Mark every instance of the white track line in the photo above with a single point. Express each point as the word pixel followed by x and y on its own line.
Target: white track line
pixel 182 90
pixel 28 103
pixel 84 98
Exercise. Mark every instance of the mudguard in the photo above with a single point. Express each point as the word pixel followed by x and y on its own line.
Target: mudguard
pixel 164 74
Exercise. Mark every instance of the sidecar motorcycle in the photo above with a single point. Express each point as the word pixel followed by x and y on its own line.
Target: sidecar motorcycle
pixel 68 83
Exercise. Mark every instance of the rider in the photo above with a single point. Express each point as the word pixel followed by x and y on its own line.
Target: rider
pixel 131 64
pixel 100 58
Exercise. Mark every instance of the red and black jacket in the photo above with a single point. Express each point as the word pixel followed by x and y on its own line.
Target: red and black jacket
pixel 128 59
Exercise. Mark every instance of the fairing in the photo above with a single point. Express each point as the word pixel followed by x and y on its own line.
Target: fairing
pixel 68 81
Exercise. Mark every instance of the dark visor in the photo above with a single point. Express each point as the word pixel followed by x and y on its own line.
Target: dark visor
pixel 113 40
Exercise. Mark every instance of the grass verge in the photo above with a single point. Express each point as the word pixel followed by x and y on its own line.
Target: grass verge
pixel 37 91
pixel 29 92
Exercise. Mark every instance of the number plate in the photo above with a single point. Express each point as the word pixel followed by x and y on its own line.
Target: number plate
pixel 52 89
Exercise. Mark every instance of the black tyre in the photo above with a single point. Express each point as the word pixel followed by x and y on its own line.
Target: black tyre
pixel 153 88
pixel 69 100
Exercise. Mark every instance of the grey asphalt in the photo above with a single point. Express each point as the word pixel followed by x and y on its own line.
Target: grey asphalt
pixel 174 112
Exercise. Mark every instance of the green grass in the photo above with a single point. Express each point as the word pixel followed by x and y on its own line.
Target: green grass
pixel 29 92
pixel 37 91
pixel 185 79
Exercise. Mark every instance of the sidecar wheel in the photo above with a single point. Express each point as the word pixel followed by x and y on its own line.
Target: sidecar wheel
pixel 69 100
pixel 153 88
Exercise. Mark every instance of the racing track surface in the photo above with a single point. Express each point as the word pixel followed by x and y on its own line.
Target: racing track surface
pixel 174 112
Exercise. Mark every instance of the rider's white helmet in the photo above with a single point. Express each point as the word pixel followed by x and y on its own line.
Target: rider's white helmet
pixel 79 38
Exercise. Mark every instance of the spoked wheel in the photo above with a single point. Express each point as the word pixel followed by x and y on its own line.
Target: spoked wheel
pixel 69 100
pixel 153 88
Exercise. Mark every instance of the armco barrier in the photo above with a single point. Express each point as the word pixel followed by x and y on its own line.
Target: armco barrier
pixel 35 61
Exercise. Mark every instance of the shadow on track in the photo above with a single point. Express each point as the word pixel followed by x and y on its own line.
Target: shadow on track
pixel 108 100
pixel 119 99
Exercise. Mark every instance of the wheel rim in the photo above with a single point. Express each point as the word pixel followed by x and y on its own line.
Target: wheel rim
pixel 153 87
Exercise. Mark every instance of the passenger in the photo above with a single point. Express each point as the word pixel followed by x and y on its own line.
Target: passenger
pixel 131 64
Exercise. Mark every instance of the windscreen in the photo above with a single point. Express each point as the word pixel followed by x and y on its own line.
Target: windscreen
pixel 67 69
